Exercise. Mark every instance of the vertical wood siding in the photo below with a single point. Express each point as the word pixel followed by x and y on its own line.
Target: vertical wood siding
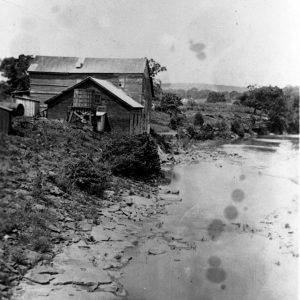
pixel 5 121
pixel 31 108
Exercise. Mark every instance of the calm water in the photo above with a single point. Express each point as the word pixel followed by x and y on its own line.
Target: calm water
pixel 241 218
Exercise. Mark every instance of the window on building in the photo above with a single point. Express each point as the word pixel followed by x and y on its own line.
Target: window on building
pixel 122 82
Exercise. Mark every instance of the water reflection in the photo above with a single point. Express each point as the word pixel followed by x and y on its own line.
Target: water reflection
pixel 235 215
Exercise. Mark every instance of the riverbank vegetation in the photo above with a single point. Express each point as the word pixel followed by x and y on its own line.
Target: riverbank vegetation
pixel 259 110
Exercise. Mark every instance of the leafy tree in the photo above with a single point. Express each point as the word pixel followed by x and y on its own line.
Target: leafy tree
pixel 278 115
pixel 15 69
pixel 154 69
pixel 261 98
pixel 214 97
pixel 170 103
pixel 292 96
pixel 270 100
pixel 198 119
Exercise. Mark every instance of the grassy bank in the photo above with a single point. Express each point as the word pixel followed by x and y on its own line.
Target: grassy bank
pixel 53 174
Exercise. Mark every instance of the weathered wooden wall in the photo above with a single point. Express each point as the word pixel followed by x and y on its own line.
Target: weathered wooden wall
pixel 119 116
pixel 31 107
pixel 5 120
pixel 44 86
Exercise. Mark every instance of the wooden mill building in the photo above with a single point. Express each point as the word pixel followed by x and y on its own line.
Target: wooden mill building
pixel 98 103
pixel 122 89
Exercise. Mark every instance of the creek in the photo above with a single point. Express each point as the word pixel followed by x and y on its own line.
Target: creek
pixel 240 219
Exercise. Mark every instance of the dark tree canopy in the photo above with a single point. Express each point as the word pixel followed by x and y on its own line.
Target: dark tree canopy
pixel 271 101
pixel 261 98
pixel 155 67
pixel 214 97
pixel 15 69
pixel 170 103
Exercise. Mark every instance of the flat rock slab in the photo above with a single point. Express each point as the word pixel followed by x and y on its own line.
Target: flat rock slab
pixel 138 200
pixel 99 234
pixel 85 226
pixel 113 208
pixel 39 278
pixel 64 293
pixel 167 190
pixel 32 257
pixel 46 270
pixel 169 197
pixel 80 277
pixel 156 246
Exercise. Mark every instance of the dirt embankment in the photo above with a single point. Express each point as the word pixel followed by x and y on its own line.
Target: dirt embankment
pixel 58 226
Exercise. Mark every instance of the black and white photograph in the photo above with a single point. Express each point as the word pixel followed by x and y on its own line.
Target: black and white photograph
pixel 149 149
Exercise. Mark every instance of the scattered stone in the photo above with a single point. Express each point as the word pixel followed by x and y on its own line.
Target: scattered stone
pixel 47 270
pixel 79 277
pixel 169 197
pixel 85 226
pixel 112 265
pixel 82 244
pixel 108 194
pixel 39 278
pixel 54 228
pixel 56 191
pixel 32 257
pixel 114 208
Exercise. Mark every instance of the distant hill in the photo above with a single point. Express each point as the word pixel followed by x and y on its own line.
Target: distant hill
pixel 203 86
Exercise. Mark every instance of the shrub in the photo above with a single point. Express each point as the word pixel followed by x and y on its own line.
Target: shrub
pixel 18 256
pixel 85 174
pixel 221 125
pixel 42 244
pixel 175 121
pixel 37 189
pixel 238 127
pixel 191 131
pixel 134 156
pixel 198 119
pixel 205 133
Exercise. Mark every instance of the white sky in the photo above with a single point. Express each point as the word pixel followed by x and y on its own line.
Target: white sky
pixel 233 42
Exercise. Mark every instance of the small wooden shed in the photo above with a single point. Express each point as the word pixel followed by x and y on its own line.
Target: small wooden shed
pixel 5 119
pixel 31 106
pixel 100 104
pixel 7 111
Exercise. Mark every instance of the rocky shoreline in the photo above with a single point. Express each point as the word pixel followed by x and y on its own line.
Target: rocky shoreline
pixel 88 263
pixel 90 254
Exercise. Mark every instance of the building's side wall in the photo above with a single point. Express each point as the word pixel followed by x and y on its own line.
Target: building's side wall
pixel 59 109
pixel 5 121
pixel 44 86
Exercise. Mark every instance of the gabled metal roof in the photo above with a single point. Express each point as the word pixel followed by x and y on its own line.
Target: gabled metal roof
pixel 59 64
pixel 109 87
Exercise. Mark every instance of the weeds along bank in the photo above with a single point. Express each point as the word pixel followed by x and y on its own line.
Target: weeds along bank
pixel 54 176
